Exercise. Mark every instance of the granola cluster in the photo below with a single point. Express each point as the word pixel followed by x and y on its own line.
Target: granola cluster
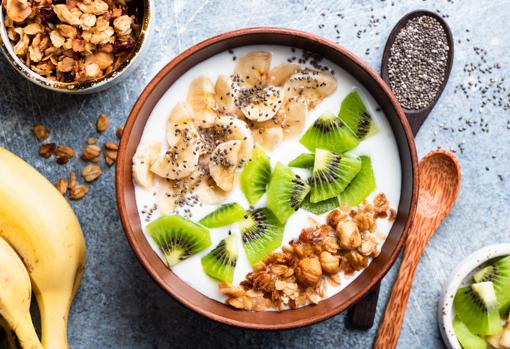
pixel 72 40
pixel 297 275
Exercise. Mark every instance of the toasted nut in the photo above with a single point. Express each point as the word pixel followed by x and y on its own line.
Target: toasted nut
pixel 61 186
pixel 91 152
pixel 62 150
pixel 368 245
pixel 41 132
pixel 102 123
pixel 111 146
pixel 119 132
pixel 78 192
pixel 356 260
pixel 348 235
pixel 72 180
pixel 329 262
pixel 381 203
pixel 334 217
pixel 309 271
pixel 47 150
pixel 91 172
pixel 62 160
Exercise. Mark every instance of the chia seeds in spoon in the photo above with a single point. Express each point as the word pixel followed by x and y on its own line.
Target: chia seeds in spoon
pixel 418 62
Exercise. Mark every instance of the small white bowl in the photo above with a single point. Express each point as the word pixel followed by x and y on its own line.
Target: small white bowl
pixel 83 87
pixel 457 280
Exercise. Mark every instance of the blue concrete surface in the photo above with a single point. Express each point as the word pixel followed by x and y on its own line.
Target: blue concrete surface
pixel 119 306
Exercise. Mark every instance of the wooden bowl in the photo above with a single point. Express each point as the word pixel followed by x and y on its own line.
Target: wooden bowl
pixel 193 299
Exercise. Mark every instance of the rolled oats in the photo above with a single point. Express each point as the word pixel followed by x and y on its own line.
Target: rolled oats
pixel 62 150
pixel 41 132
pixel 91 152
pixel 91 172
pixel 102 123
pixel 118 132
pixel 61 186
pixel 47 150
pixel 78 192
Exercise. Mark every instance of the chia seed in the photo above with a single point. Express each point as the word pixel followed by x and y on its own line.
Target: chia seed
pixel 418 61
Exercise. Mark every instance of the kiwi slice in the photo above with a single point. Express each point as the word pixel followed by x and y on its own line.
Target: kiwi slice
pixel 331 174
pixel 354 114
pixel 285 192
pixel 466 338
pixel 221 262
pixel 303 161
pixel 499 274
pixel 361 186
pixel 477 307
pixel 224 215
pixel 320 207
pixel 261 233
pixel 255 176
pixel 329 132
pixel 178 238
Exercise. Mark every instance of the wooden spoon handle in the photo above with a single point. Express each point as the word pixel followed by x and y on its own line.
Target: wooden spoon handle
pixel 418 237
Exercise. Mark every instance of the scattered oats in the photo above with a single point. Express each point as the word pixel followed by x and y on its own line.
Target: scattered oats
pixel 41 132
pixel 91 152
pixel 111 146
pixel 72 180
pixel 62 150
pixel 91 172
pixel 61 186
pixel 62 160
pixel 118 132
pixel 47 150
pixel 78 192
pixel 102 123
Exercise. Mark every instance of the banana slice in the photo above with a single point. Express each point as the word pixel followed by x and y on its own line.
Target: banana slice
pixel 230 128
pixel 223 164
pixel 142 161
pixel 261 104
pixel 268 137
pixel 295 118
pixel 179 161
pixel 253 68
pixel 165 196
pixel 226 91
pixel 311 86
pixel 281 73
pixel 179 124
pixel 209 193
pixel 202 102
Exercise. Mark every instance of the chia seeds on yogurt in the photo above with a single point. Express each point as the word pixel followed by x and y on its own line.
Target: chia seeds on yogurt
pixel 418 62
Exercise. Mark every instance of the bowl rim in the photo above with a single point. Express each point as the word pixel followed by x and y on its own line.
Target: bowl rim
pixel 79 87
pixel 456 278
pixel 224 37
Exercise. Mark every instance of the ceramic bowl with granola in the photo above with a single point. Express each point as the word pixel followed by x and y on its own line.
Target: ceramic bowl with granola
pixel 74 46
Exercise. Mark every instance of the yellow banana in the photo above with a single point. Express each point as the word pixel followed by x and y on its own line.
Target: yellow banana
pixel 15 295
pixel 42 228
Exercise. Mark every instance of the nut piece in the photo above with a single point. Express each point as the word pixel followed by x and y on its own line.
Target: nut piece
pixel 41 132
pixel 329 262
pixel 334 217
pixel 368 246
pixel 381 203
pixel 356 260
pixel 348 234
pixel 78 192
pixel 91 172
pixel 63 150
pixel 309 271
pixel 47 150
pixel 61 186
pixel 90 153
pixel 102 123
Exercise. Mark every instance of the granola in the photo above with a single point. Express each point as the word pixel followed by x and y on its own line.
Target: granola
pixel 72 40
pixel 297 275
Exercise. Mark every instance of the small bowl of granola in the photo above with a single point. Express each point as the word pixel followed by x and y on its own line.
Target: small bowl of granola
pixel 74 46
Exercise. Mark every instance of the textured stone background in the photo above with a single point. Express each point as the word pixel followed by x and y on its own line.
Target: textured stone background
pixel 118 305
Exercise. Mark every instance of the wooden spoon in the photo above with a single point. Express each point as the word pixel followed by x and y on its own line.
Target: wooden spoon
pixel 440 177
pixel 361 315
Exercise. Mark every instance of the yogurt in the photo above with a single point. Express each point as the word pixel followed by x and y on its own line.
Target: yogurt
pixel 381 147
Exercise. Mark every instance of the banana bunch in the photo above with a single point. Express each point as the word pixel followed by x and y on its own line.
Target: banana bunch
pixel 38 223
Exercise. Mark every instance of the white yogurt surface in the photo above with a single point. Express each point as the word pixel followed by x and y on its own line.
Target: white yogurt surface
pixel 381 147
